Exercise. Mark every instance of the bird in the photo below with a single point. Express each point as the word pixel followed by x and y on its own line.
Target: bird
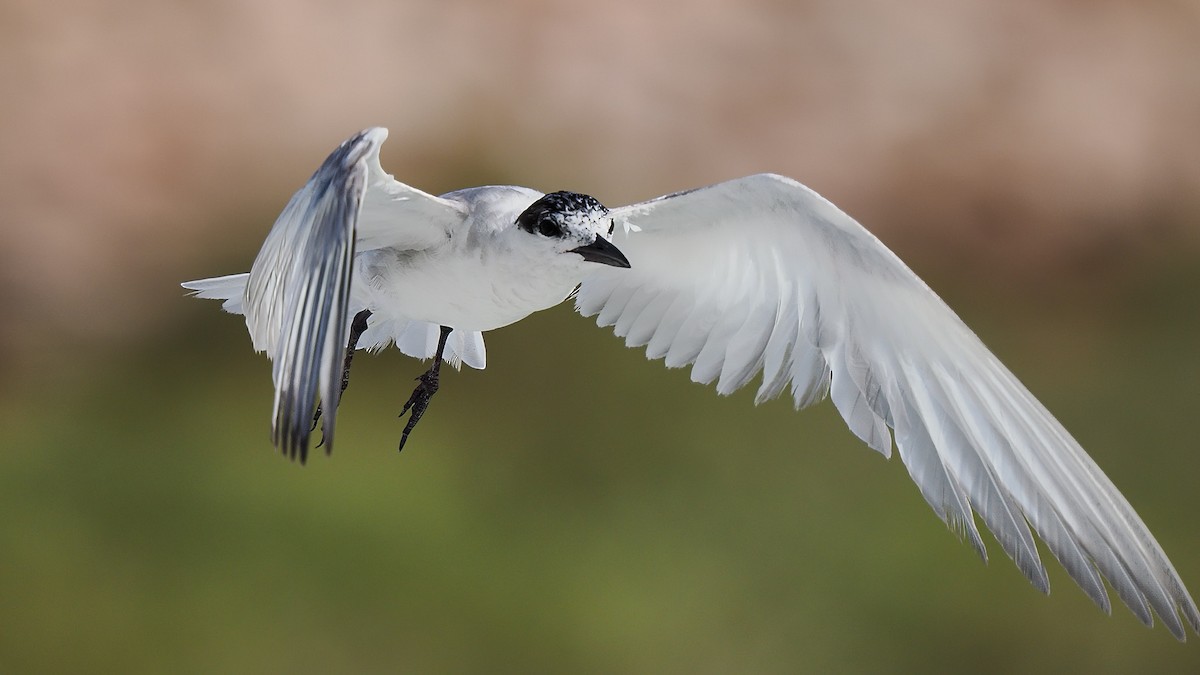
pixel 755 276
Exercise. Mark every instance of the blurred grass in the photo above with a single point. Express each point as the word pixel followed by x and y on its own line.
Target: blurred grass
pixel 570 509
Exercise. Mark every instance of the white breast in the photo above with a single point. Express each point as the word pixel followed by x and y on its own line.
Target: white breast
pixel 478 280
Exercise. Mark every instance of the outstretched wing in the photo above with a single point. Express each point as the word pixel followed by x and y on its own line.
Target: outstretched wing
pixel 297 297
pixel 761 274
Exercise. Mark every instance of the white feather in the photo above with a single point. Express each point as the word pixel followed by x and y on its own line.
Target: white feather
pixel 761 274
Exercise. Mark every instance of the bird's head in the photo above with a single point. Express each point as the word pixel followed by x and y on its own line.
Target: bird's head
pixel 573 224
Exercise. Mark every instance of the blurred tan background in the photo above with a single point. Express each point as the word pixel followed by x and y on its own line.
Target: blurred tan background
pixel 1037 162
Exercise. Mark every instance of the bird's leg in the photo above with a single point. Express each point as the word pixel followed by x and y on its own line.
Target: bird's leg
pixel 428 386
pixel 357 327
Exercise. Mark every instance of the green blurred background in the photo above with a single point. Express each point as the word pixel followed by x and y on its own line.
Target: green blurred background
pixel 573 508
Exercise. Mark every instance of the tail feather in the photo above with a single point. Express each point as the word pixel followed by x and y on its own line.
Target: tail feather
pixel 415 338
pixel 419 339
pixel 230 288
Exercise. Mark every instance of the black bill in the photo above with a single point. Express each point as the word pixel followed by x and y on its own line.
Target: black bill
pixel 600 251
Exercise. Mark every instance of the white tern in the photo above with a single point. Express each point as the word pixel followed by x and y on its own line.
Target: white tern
pixel 754 275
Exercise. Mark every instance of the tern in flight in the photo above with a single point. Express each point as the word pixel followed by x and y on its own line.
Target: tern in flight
pixel 757 275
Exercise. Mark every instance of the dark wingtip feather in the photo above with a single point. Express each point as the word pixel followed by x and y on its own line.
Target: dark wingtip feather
pixel 311 347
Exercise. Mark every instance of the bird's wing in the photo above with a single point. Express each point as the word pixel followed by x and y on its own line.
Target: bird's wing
pixel 297 298
pixel 761 274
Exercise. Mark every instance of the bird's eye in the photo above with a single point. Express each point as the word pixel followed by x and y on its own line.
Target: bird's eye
pixel 548 228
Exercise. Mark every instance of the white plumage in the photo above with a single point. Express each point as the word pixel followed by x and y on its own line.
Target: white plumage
pixel 758 275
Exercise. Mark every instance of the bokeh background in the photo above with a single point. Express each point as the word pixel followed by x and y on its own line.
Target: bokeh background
pixel 573 509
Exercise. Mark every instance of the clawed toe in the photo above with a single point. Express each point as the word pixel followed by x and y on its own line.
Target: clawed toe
pixel 418 402
pixel 427 386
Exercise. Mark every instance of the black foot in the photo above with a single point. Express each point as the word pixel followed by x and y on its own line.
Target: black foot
pixel 357 327
pixel 316 421
pixel 418 402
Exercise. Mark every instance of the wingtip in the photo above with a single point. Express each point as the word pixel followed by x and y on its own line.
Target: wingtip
pixel 1186 607
pixel 291 442
pixel 1038 577
pixel 1173 624
pixel 1191 615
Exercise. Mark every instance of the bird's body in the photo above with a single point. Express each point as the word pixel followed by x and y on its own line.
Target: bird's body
pixel 757 275
pixel 478 279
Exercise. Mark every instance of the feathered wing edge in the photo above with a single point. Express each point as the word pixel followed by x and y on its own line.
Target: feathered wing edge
pixel 297 297
pixel 971 436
